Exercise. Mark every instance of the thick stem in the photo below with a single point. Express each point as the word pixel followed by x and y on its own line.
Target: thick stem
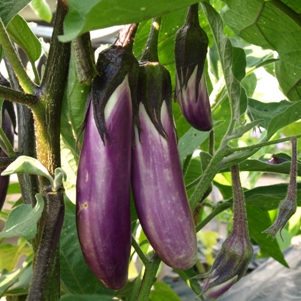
pixel 149 278
pixel 48 111
pixel 46 277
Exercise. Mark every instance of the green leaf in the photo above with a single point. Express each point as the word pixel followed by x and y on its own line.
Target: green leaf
pixel 94 14
pixel 190 142
pixel 86 298
pixel 264 166
pixel 262 23
pixel 236 92
pixel 7 280
pixel 22 220
pixel 77 95
pixel 269 197
pixel 189 277
pixel 162 292
pixel 275 115
pixel 59 177
pixel 21 33
pixel 258 221
pixel 29 165
pixel 42 9
pixel 76 276
pixel 10 254
pixel 10 8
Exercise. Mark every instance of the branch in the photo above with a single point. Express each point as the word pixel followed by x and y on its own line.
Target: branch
pixel 17 96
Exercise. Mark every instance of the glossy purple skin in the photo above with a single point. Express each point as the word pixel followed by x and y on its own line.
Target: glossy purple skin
pixel 4 180
pixel 160 195
pixel 195 108
pixel 103 193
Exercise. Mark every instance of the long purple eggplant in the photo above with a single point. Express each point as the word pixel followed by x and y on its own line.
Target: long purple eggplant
pixel 190 54
pixel 157 180
pixel 103 180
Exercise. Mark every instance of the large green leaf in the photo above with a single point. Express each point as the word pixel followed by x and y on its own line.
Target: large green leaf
pixel 271 24
pixel 76 277
pixel 258 221
pixel 22 220
pixel 84 16
pixel 9 8
pixel 275 115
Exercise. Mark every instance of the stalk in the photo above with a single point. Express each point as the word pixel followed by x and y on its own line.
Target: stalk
pixel 26 140
pixel 149 278
pixel 46 273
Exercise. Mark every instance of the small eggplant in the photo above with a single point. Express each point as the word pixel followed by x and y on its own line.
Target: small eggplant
pixel 103 180
pixel 190 54
pixel 157 179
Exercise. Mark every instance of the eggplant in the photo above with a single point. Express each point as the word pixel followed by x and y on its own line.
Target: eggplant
pixel 190 54
pixel 8 129
pixel 103 179
pixel 157 180
pixel 8 126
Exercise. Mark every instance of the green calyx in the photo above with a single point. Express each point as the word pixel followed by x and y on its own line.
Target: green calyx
pixel 154 87
pixel 113 65
pixel 190 48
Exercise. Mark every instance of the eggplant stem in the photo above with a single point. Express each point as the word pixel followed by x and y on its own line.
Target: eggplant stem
pixel 139 252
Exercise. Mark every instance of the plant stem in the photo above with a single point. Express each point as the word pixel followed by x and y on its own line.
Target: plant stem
pixel 25 81
pixel 149 278
pixel 84 60
pixel 47 112
pixel 139 252
pixel 46 262
pixel 17 96
pixel 150 53
pixel 137 285
pixel 26 142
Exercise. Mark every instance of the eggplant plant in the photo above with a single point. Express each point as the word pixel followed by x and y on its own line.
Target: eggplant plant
pixel 113 178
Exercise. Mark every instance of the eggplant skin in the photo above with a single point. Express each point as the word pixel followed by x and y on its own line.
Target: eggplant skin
pixel 103 191
pixel 7 126
pixel 159 192
pixel 194 103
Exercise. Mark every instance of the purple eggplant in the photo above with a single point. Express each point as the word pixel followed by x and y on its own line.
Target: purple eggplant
pixel 157 180
pixel 103 180
pixel 190 54
pixel 8 126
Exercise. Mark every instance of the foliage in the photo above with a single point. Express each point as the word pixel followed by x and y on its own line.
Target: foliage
pixel 246 39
